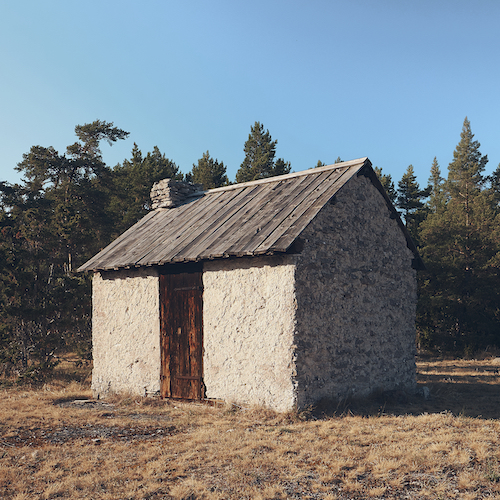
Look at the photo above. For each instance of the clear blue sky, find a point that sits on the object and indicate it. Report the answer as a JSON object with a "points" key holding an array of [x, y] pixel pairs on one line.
{"points": [[391, 80]]}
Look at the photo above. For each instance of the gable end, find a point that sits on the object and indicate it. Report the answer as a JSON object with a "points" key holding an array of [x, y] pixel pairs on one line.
{"points": [[367, 171]]}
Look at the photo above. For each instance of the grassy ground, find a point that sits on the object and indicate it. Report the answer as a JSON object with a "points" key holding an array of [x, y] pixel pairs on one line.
{"points": [[57, 443]]}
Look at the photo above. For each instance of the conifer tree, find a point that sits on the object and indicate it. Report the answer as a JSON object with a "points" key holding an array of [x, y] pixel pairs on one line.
{"points": [[409, 200], [465, 172], [76, 185], [387, 183], [281, 167], [209, 172], [132, 182], [260, 151], [495, 186], [461, 292], [437, 193], [51, 223]]}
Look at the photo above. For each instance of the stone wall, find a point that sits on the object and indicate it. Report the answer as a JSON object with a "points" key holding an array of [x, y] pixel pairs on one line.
{"points": [[249, 320], [169, 193], [126, 332], [356, 298]]}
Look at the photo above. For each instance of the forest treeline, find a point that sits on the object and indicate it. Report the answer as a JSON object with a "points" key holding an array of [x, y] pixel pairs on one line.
{"points": [[69, 206]]}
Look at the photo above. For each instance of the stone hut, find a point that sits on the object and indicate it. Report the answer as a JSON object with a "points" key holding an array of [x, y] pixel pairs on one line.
{"points": [[276, 292]]}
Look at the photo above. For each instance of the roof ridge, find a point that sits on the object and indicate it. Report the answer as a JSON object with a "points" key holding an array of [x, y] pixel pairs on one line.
{"points": [[277, 178]]}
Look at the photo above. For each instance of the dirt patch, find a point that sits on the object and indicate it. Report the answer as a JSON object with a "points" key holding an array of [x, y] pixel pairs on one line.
{"points": [[90, 404], [94, 433]]}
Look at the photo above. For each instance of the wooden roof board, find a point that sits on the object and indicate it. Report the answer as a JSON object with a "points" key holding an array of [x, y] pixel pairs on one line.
{"points": [[189, 226], [184, 222], [199, 230], [236, 242], [252, 218], [133, 247], [232, 238], [127, 254], [129, 248], [237, 218], [249, 241]]}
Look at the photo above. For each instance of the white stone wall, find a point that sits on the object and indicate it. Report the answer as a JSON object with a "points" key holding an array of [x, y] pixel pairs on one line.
{"points": [[249, 313], [356, 296], [126, 332]]}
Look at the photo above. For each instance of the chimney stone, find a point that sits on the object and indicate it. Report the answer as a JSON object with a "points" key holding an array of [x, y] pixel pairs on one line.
{"points": [[169, 193]]}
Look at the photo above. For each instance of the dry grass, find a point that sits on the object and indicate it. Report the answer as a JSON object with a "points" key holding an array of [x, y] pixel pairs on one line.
{"points": [[131, 448]]}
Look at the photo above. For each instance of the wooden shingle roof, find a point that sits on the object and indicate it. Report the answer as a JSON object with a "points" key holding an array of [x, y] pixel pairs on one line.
{"points": [[253, 218]]}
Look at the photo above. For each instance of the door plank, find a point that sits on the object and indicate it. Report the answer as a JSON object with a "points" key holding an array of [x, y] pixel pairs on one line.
{"points": [[182, 336]]}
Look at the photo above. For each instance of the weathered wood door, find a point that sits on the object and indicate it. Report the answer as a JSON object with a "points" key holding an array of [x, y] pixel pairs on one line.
{"points": [[181, 335]]}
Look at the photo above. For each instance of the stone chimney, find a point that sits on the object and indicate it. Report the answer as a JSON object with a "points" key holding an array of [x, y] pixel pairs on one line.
{"points": [[169, 193]]}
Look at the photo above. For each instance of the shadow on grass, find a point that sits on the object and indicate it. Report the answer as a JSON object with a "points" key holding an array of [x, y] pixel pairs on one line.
{"points": [[462, 395]]}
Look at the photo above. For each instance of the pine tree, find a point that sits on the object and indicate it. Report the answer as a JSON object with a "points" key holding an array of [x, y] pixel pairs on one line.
{"points": [[209, 172], [77, 186], [465, 182], [260, 151], [495, 186], [465, 172], [459, 301], [281, 167], [55, 220], [437, 194], [387, 183], [132, 182], [409, 200]]}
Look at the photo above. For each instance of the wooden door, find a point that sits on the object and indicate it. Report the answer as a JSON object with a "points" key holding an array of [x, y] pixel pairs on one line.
{"points": [[181, 335]]}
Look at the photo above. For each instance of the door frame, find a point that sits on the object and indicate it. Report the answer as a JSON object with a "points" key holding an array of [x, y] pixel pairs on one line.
{"points": [[169, 388]]}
